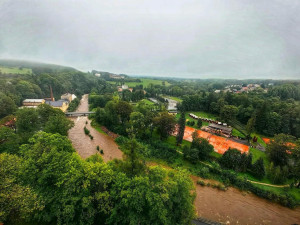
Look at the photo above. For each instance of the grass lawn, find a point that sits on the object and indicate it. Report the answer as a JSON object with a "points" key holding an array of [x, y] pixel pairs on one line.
{"points": [[97, 127], [15, 70], [292, 191], [145, 82], [237, 133], [201, 114], [172, 97], [147, 102], [256, 154]]}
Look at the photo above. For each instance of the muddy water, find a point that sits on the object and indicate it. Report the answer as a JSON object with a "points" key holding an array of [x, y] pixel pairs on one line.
{"points": [[236, 207], [83, 144], [231, 207]]}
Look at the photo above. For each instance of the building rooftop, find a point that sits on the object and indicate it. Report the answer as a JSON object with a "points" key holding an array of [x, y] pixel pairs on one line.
{"points": [[34, 100], [55, 103], [220, 127]]}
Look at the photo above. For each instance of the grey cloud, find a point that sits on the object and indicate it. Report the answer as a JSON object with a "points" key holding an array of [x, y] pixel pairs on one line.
{"points": [[201, 38]]}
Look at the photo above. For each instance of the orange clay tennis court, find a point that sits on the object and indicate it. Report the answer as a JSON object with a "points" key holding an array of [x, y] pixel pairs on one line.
{"points": [[221, 144]]}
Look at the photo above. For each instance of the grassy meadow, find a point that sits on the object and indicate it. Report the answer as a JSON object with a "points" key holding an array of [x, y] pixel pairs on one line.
{"points": [[15, 70]]}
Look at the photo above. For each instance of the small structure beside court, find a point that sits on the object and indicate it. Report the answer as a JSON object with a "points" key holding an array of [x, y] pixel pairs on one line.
{"points": [[220, 129]]}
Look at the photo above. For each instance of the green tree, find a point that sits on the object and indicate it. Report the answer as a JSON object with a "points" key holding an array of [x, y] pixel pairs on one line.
{"points": [[228, 112], [58, 124], [137, 122], [27, 122], [8, 106], [45, 111], [250, 126], [165, 124], [63, 181], [203, 147], [123, 109], [17, 202], [160, 197], [258, 168], [199, 123], [9, 141], [132, 164], [181, 128], [278, 148]]}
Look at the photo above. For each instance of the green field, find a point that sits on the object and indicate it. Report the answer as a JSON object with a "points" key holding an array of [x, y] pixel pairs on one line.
{"points": [[201, 114], [172, 97], [147, 102], [145, 82], [15, 70]]}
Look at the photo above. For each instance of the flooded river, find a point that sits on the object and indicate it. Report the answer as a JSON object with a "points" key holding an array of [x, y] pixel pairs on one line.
{"points": [[236, 207], [84, 145], [231, 207]]}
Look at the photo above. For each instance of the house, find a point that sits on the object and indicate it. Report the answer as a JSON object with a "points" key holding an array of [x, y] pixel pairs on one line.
{"points": [[124, 86], [69, 97], [32, 103], [98, 74], [60, 104], [219, 128]]}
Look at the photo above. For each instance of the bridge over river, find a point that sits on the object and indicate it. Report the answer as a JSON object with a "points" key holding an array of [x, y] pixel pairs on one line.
{"points": [[76, 114]]}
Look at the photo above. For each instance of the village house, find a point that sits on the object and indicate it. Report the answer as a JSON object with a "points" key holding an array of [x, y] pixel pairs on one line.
{"points": [[69, 97], [33, 103], [60, 104]]}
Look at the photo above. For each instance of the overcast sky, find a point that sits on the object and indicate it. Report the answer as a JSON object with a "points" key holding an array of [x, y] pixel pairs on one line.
{"points": [[179, 38]]}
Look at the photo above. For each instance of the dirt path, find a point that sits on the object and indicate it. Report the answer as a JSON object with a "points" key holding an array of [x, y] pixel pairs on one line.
{"points": [[271, 185], [84, 145]]}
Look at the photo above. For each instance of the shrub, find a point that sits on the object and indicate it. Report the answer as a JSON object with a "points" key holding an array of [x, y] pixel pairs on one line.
{"points": [[121, 140], [98, 148], [204, 172], [101, 152], [91, 137], [201, 182], [86, 131]]}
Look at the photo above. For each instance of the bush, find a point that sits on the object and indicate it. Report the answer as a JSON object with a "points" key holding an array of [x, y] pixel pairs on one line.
{"points": [[98, 148], [121, 140], [204, 172], [201, 182], [91, 137], [101, 152], [86, 131]]}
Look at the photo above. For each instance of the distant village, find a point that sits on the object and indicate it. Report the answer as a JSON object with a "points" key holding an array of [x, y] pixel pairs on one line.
{"points": [[239, 88]]}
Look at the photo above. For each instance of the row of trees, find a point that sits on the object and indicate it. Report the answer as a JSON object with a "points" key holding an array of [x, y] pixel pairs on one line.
{"points": [[29, 121], [269, 115], [120, 116]]}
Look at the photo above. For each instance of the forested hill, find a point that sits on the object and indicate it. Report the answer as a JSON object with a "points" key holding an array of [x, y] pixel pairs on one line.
{"points": [[34, 65], [20, 80]]}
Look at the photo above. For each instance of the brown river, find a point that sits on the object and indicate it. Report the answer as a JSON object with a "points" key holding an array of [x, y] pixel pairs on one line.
{"points": [[84, 145], [230, 207]]}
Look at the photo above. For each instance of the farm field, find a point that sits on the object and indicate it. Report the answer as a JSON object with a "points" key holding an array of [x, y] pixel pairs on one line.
{"points": [[15, 70], [145, 82]]}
